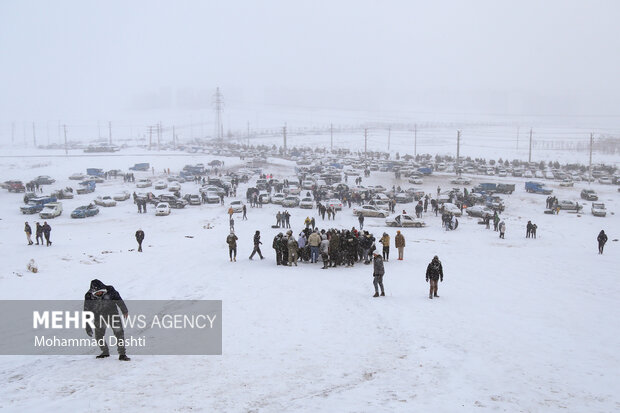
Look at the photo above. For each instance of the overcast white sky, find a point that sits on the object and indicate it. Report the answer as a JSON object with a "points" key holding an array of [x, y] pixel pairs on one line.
{"points": [[118, 59]]}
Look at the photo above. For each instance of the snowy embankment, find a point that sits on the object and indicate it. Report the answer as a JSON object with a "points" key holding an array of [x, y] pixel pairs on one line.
{"points": [[520, 325]]}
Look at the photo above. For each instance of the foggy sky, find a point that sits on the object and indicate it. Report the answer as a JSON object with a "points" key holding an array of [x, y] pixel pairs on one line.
{"points": [[119, 59]]}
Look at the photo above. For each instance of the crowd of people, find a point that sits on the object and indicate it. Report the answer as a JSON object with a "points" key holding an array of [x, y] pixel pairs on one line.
{"points": [[41, 231]]}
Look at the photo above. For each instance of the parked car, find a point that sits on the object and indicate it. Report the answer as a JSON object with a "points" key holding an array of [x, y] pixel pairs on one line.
{"points": [[461, 181], [567, 183], [172, 201], [405, 221], [36, 204], [598, 209], [335, 203], [193, 199], [479, 211], [451, 208], [94, 178], [85, 211], [162, 208], [307, 203], [589, 195], [66, 193], [212, 197], [237, 206], [43, 180], [121, 196], [277, 198], [160, 185], [77, 176], [15, 186], [174, 187], [144, 183], [292, 189], [416, 180], [370, 211], [403, 197], [212, 188], [86, 187], [605, 180], [105, 201], [51, 210], [569, 205], [290, 201], [264, 197]]}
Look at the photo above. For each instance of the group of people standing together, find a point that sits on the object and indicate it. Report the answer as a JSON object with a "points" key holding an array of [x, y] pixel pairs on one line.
{"points": [[44, 230]]}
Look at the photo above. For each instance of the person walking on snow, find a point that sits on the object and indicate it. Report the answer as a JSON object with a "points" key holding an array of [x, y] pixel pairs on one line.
{"points": [[245, 211], [39, 233], [361, 221], [47, 232], [434, 273], [231, 240], [139, 238], [257, 246], [602, 239], [502, 229], [377, 275], [28, 232]]}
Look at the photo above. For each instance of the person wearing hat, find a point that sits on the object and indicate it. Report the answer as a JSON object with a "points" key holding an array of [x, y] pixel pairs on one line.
{"points": [[377, 274], [385, 241], [28, 232], [399, 243], [139, 238], [434, 273], [231, 240]]}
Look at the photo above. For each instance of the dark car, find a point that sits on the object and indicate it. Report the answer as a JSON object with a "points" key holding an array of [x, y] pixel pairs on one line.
{"points": [[173, 201], [43, 180], [589, 195]]}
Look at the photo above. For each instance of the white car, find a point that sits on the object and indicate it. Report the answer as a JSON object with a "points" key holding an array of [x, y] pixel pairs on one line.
{"points": [[174, 186], [290, 201], [144, 183], [307, 184], [264, 197], [451, 208], [502, 173], [605, 180], [479, 211], [77, 176], [293, 189], [105, 201], [51, 210], [162, 209], [405, 221], [211, 197], [598, 209], [415, 180], [335, 203], [460, 181], [237, 206], [121, 196], [307, 203], [160, 185], [278, 198], [370, 211]]}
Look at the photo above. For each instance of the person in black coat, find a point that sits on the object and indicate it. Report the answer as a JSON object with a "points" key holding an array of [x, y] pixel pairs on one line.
{"points": [[139, 238], [377, 275], [47, 230], [104, 302], [602, 239], [39, 233], [434, 273], [257, 246]]}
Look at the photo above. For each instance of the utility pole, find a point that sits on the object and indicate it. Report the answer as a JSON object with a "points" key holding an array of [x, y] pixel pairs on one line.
{"points": [[389, 133], [458, 151], [590, 166], [365, 142], [110, 131], [218, 102], [34, 135], [529, 158], [284, 135], [415, 140], [150, 137], [66, 149], [331, 137]]}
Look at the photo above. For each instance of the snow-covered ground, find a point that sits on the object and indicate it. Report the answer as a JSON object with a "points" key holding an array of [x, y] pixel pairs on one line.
{"points": [[520, 325]]}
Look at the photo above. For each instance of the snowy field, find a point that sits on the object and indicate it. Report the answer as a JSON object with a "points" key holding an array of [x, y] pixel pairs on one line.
{"points": [[521, 325]]}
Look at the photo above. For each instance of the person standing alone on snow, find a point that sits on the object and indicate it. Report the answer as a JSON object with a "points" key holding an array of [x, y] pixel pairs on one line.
{"points": [[377, 275], [502, 229], [28, 232], [399, 242], [139, 238], [231, 240], [602, 239], [434, 273]]}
